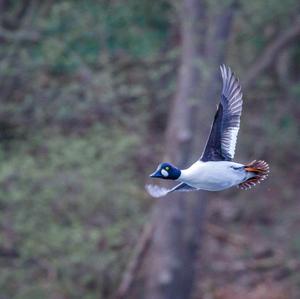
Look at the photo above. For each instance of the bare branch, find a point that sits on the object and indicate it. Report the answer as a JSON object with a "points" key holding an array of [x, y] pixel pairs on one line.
{"points": [[135, 262], [270, 53]]}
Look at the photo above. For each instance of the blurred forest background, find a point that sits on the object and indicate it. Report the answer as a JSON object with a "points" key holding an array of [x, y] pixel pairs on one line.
{"points": [[87, 90]]}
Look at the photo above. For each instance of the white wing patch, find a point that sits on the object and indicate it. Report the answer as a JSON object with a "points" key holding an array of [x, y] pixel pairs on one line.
{"points": [[232, 104], [157, 191], [229, 141]]}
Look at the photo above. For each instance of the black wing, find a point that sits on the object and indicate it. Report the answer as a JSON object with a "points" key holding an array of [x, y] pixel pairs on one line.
{"points": [[157, 191], [221, 142]]}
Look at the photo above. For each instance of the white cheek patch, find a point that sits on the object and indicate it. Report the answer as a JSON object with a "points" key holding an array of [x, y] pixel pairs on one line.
{"points": [[164, 173]]}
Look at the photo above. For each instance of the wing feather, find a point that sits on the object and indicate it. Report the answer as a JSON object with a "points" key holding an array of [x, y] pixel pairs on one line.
{"points": [[158, 191], [223, 135]]}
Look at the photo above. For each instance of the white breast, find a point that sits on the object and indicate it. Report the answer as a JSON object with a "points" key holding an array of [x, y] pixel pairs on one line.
{"points": [[212, 175]]}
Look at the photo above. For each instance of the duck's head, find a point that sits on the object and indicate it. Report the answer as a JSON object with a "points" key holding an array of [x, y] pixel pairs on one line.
{"points": [[166, 171]]}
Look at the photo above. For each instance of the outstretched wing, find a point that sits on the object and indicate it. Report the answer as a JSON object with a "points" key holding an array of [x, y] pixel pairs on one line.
{"points": [[221, 142], [157, 191]]}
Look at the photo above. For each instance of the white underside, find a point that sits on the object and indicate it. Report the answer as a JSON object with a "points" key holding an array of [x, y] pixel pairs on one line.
{"points": [[214, 175]]}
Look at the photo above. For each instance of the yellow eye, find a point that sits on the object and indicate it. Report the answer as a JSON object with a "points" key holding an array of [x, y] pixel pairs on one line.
{"points": [[167, 168]]}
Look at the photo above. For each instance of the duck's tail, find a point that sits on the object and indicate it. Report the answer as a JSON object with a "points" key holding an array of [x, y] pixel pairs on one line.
{"points": [[260, 171]]}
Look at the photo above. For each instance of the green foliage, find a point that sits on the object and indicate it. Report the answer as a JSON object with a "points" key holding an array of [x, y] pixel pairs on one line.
{"points": [[69, 206], [70, 74], [79, 32]]}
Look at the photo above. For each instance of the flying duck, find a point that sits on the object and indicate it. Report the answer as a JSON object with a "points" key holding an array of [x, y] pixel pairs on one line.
{"points": [[215, 170]]}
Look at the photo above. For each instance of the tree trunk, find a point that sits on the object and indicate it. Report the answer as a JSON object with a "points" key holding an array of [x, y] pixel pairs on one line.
{"points": [[176, 223], [169, 271]]}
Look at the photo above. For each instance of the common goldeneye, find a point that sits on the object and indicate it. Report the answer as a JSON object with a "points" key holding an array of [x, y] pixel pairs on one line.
{"points": [[215, 171]]}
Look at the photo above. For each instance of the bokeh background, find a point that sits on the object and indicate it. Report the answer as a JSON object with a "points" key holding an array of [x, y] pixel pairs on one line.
{"points": [[86, 90]]}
